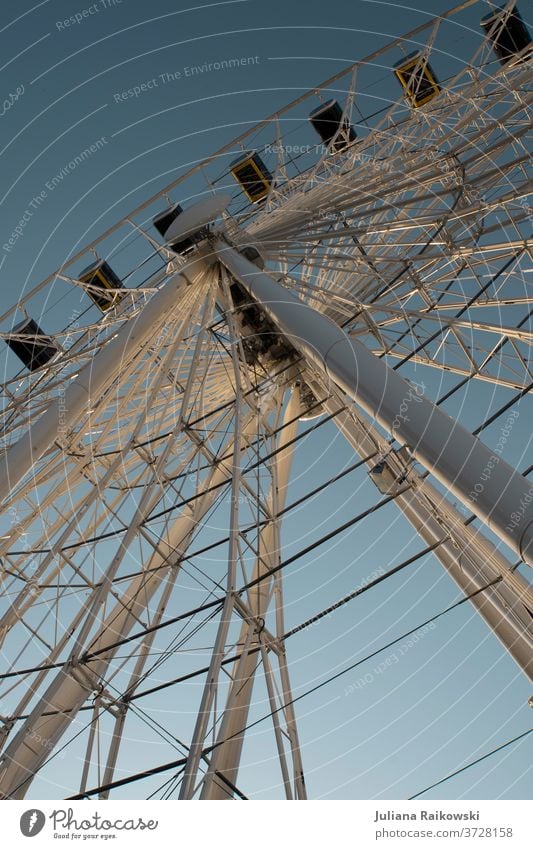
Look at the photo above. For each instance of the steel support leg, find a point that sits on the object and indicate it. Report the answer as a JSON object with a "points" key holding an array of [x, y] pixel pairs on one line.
{"points": [[467, 556], [226, 757], [38, 736]]}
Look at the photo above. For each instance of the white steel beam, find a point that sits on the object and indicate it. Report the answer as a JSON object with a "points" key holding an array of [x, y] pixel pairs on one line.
{"points": [[226, 756], [94, 378], [466, 554], [40, 733], [498, 494], [209, 693]]}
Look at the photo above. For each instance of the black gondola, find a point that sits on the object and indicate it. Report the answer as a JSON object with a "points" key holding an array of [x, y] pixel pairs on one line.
{"points": [[163, 221], [508, 34], [335, 132], [34, 352]]}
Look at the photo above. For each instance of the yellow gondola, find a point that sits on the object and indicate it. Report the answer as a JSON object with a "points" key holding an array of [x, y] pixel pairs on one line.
{"points": [[417, 78], [253, 176], [101, 276]]}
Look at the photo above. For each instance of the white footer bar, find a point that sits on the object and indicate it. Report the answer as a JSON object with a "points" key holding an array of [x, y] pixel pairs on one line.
{"points": [[267, 825]]}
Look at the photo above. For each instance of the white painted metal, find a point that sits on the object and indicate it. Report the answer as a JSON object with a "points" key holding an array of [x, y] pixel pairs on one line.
{"points": [[466, 554], [419, 231], [190, 777], [66, 694], [491, 488], [226, 756], [28, 594], [197, 216], [92, 380]]}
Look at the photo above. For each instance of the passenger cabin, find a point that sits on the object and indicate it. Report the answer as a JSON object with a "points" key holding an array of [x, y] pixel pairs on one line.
{"points": [[508, 33], [253, 176], [33, 351], [162, 223], [103, 278], [417, 79], [336, 133]]}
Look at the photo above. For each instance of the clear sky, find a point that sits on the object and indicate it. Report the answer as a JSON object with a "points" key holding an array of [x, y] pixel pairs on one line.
{"points": [[67, 69]]}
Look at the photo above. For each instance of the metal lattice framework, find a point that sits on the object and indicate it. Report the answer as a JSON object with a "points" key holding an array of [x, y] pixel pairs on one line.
{"points": [[166, 428]]}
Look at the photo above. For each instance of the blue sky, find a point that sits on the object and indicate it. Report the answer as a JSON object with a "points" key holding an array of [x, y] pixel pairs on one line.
{"points": [[454, 694]]}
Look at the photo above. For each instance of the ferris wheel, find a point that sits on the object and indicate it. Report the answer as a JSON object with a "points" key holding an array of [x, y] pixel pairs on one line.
{"points": [[321, 268]]}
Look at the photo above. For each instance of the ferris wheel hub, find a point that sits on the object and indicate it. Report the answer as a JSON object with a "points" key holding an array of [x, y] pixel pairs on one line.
{"points": [[196, 217]]}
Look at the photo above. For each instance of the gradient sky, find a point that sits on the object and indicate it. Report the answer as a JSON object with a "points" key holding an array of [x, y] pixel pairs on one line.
{"points": [[455, 694]]}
